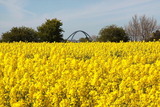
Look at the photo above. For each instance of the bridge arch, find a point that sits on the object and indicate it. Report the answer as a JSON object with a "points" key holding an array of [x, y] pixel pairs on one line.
{"points": [[74, 33]]}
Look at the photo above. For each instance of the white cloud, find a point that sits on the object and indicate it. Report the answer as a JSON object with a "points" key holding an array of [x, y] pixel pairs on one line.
{"points": [[98, 10], [16, 15], [16, 8]]}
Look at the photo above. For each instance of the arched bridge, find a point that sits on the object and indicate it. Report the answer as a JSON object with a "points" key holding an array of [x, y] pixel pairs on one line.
{"points": [[74, 33]]}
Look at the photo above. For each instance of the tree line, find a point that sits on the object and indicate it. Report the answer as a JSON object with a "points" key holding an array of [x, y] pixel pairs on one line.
{"points": [[140, 28], [50, 31]]}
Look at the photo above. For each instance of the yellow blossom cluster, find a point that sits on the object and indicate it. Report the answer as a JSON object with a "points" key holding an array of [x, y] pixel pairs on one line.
{"points": [[80, 74]]}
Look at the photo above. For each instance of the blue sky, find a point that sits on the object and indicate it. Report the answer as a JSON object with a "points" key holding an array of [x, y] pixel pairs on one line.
{"points": [[87, 15]]}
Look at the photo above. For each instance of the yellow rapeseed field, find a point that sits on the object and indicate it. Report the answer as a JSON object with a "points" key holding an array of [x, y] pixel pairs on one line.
{"points": [[80, 74]]}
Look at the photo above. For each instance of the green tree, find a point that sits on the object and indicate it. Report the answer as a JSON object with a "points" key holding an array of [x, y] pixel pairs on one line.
{"points": [[51, 31], [83, 39], [155, 37], [20, 34], [112, 33]]}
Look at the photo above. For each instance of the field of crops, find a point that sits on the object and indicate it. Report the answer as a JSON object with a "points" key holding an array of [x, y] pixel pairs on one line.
{"points": [[80, 74]]}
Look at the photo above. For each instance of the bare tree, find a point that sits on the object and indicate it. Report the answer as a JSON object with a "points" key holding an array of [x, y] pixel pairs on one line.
{"points": [[140, 28], [94, 37]]}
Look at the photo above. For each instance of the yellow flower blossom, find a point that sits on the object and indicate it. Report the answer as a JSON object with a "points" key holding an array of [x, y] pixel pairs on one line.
{"points": [[80, 74]]}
